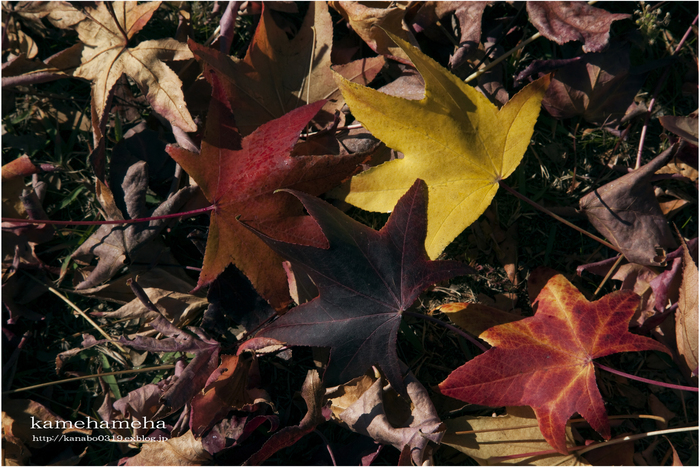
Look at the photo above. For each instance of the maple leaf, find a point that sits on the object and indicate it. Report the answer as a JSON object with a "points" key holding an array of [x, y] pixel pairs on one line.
{"points": [[238, 176], [546, 361], [366, 279], [453, 138], [105, 56], [279, 74]]}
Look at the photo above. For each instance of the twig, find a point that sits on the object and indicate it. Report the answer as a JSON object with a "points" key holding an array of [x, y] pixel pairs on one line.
{"points": [[560, 219], [79, 311], [478, 73], [100, 375], [448, 326], [192, 213], [610, 273], [643, 136], [645, 380]]}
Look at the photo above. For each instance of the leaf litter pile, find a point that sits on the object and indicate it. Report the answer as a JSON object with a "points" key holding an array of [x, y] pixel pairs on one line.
{"points": [[349, 233]]}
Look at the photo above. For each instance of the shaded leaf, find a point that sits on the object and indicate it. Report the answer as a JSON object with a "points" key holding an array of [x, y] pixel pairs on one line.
{"points": [[380, 414], [279, 74], [514, 433], [366, 280], [546, 361], [685, 127], [239, 177], [627, 213], [476, 318], [562, 22], [454, 139], [312, 391]]}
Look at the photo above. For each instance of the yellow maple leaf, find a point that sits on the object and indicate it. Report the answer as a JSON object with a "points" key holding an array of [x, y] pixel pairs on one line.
{"points": [[454, 139], [105, 55]]}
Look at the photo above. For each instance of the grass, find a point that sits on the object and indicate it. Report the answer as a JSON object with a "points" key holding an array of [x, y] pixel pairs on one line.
{"points": [[566, 160]]}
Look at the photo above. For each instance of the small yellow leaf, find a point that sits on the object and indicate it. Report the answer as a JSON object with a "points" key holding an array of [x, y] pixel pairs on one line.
{"points": [[454, 139]]}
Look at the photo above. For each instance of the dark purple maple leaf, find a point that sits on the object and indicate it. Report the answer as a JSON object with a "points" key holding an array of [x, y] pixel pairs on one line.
{"points": [[366, 280]]}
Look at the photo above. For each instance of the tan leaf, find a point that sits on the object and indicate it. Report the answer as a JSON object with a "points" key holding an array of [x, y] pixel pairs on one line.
{"points": [[505, 435], [106, 56], [687, 315], [183, 450]]}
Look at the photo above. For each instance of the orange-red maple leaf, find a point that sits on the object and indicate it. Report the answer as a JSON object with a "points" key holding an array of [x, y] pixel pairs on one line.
{"points": [[239, 177], [546, 361]]}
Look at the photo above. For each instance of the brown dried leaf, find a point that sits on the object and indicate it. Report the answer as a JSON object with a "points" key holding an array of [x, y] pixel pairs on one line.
{"points": [[685, 127], [562, 22], [627, 213], [687, 315]]}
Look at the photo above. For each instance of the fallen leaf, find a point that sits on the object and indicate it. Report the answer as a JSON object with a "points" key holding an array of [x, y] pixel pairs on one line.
{"points": [[239, 177], [195, 375], [454, 139], [119, 245], [366, 279], [183, 450], [379, 413], [13, 184], [627, 213], [476, 318], [279, 74], [685, 127], [546, 361], [511, 434], [562, 22], [601, 87], [105, 56], [687, 315], [233, 431], [371, 22], [227, 389], [312, 391]]}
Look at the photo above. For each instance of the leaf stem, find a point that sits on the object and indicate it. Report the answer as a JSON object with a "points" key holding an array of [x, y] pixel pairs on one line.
{"points": [[454, 329], [643, 136], [478, 73], [192, 213], [560, 219], [78, 378], [645, 380], [328, 445]]}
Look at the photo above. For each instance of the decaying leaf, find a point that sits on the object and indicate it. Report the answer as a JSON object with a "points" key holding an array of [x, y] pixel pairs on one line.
{"points": [[367, 406], [105, 55], [687, 315], [627, 213], [562, 22], [366, 280], [454, 139], [546, 361], [239, 177], [515, 433]]}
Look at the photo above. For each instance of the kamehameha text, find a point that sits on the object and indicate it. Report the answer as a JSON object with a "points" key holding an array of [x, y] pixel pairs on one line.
{"points": [[90, 424]]}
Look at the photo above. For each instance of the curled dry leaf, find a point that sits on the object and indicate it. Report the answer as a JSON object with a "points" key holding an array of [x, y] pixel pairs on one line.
{"points": [[546, 361], [627, 213], [515, 433], [105, 55], [562, 22], [453, 138], [183, 450], [371, 22], [687, 315], [367, 406]]}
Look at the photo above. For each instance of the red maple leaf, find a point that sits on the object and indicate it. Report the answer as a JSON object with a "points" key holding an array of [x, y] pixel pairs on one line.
{"points": [[239, 176], [546, 361]]}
